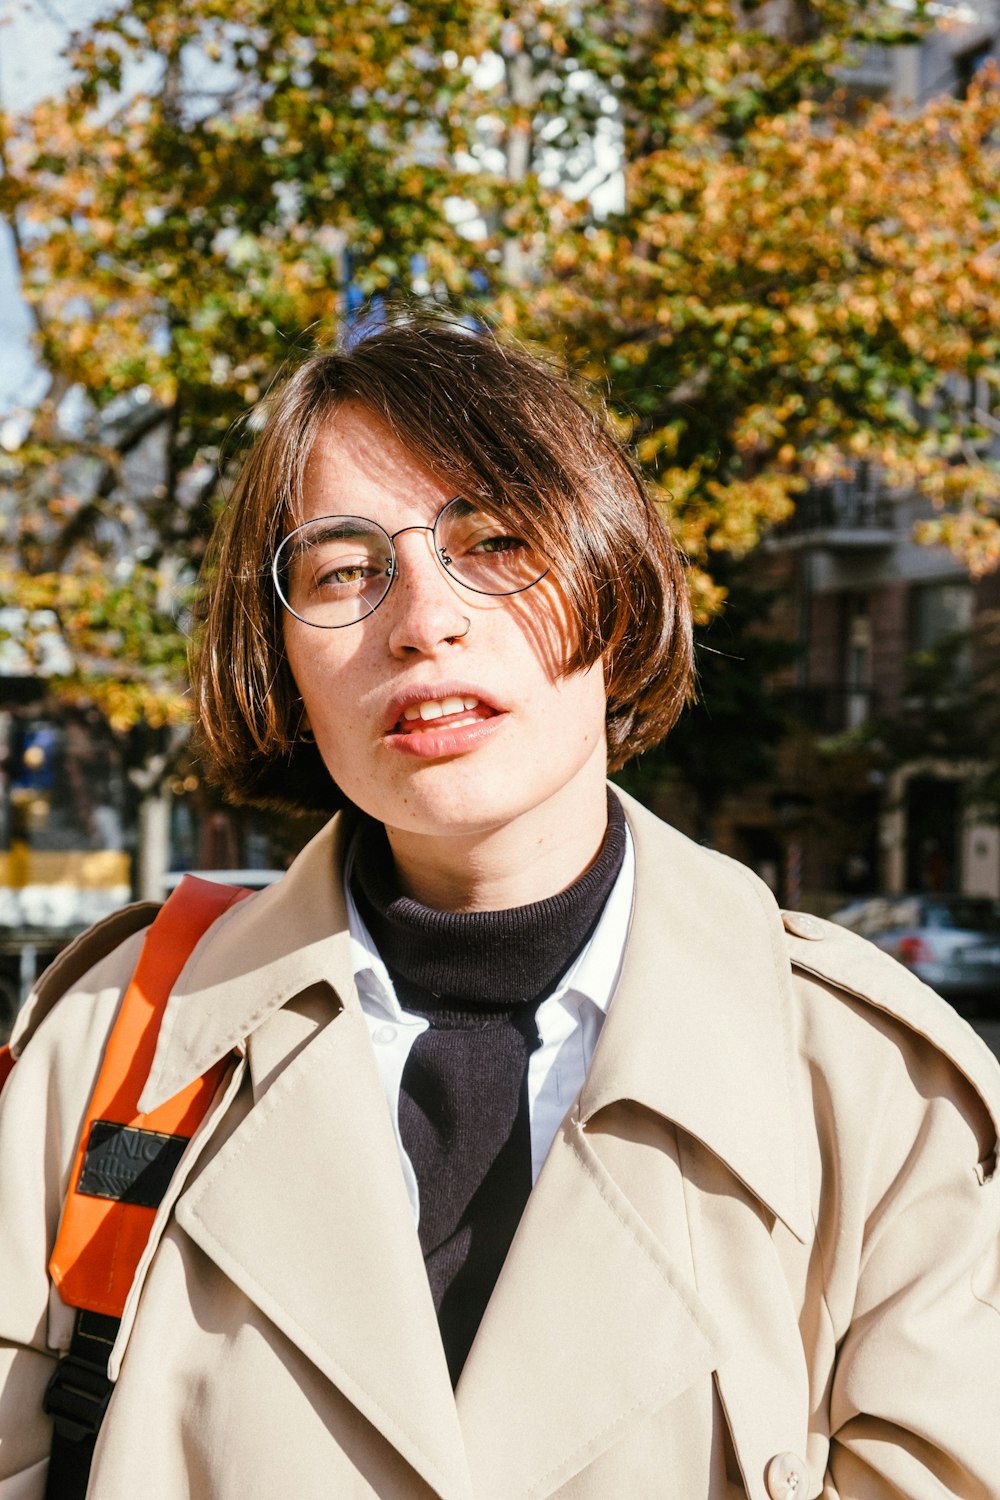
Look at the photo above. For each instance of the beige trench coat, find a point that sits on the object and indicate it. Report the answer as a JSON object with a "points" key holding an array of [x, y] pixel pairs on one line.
{"points": [[765, 1244]]}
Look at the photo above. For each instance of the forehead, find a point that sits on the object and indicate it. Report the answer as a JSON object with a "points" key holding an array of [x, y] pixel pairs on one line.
{"points": [[358, 466]]}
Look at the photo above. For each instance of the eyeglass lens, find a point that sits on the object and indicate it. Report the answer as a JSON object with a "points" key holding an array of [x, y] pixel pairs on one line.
{"points": [[337, 569]]}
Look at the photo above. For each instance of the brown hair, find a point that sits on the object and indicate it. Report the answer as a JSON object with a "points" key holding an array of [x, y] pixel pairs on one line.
{"points": [[505, 430]]}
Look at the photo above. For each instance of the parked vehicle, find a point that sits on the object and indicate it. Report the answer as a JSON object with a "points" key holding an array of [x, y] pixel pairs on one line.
{"points": [[951, 942]]}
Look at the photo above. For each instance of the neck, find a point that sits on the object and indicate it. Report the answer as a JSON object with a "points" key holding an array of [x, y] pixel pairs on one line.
{"points": [[527, 859], [464, 963]]}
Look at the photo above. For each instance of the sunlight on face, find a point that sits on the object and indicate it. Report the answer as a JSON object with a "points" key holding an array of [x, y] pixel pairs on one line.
{"points": [[534, 737]]}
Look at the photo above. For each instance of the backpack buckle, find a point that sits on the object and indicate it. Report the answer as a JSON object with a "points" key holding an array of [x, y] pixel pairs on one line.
{"points": [[77, 1397]]}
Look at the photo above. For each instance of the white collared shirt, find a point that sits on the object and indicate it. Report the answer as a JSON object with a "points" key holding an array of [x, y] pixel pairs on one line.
{"points": [[569, 1021]]}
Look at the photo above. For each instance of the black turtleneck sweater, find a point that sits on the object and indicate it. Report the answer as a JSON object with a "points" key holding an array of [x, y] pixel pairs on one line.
{"points": [[478, 978]]}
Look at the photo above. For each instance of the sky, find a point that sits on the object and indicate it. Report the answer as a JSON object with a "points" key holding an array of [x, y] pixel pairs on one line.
{"points": [[32, 33]]}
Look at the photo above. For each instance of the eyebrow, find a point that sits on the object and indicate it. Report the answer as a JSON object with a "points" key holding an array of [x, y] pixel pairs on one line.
{"points": [[353, 528], [341, 529]]}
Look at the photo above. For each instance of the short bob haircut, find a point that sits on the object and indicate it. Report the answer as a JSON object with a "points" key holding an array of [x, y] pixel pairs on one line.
{"points": [[501, 428]]}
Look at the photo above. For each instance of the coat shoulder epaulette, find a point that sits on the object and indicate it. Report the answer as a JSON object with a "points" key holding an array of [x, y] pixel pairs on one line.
{"points": [[850, 963], [76, 960]]}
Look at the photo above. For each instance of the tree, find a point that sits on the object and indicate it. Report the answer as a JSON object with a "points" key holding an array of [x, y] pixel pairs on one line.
{"points": [[729, 739], [780, 288], [787, 291]]}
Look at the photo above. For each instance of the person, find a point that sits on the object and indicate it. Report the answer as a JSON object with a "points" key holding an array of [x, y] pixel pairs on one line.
{"points": [[548, 1159]]}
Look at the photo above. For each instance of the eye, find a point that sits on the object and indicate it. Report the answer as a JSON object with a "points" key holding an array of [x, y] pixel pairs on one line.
{"points": [[480, 552], [500, 543], [329, 570], [344, 575], [471, 533]]}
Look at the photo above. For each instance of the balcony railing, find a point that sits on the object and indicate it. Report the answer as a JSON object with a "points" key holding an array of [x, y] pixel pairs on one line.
{"points": [[869, 70], [842, 513]]}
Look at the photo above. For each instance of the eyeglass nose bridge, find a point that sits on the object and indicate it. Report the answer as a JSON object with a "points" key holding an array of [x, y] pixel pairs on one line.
{"points": [[439, 553], [404, 529]]}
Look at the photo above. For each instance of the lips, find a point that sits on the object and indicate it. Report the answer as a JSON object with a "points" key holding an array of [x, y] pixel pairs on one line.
{"points": [[439, 708], [443, 715], [451, 706]]}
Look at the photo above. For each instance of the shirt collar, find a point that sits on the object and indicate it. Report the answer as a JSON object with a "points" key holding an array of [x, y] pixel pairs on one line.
{"points": [[592, 975], [371, 976]]}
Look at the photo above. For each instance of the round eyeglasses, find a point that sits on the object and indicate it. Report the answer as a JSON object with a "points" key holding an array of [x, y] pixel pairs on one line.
{"points": [[337, 570]]}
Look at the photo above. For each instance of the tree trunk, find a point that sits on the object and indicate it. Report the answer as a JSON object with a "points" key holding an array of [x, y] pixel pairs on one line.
{"points": [[154, 845]]}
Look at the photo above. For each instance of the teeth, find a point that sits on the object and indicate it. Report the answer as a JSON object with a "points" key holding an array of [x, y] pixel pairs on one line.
{"points": [[437, 708]]}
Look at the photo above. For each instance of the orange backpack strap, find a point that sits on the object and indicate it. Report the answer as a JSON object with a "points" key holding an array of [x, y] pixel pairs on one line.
{"points": [[124, 1159], [123, 1166]]}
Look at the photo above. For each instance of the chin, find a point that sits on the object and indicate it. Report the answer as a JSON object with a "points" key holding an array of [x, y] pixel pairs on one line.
{"points": [[433, 817]]}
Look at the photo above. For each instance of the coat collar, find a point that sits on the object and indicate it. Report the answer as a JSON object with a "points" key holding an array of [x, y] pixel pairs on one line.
{"points": [[612, 1280], [699, 1032], [255, 958]]}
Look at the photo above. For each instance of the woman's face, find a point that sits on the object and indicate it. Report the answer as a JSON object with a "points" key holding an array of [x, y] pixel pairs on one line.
{"points": [[434, 727]]}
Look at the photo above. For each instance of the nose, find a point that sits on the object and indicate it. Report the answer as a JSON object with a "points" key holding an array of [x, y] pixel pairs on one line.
{"points": [[426, 610]]}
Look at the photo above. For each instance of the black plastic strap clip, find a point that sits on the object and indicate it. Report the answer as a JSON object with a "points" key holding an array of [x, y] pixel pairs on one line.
{"points": [[77, 1397]]}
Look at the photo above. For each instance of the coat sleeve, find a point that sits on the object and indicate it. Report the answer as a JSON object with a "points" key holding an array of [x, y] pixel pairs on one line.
{"points": [[30, 1178], [41, 1113], [913, 1400], [910, 1241]]}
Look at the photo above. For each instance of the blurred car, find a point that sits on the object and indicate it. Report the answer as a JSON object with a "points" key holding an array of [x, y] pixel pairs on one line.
{"points": [[951, 942]]}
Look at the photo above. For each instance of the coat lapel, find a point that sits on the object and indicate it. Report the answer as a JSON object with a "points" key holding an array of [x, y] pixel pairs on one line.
{"points": [[700, 1029], [304, 1207], [594, 1323], [599, 1308]]}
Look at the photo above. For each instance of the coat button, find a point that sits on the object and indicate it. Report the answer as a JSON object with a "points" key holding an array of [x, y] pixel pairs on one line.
{"points": [[801, 925], [786, 1477]]}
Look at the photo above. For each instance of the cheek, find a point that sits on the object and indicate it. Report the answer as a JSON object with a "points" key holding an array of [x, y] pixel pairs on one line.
{"points": [[587, 702], [325, 670]]}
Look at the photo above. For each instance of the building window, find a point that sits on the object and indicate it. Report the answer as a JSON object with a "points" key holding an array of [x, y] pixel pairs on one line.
{"points": [[968, 64], [857, 659], [942, 613]]}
